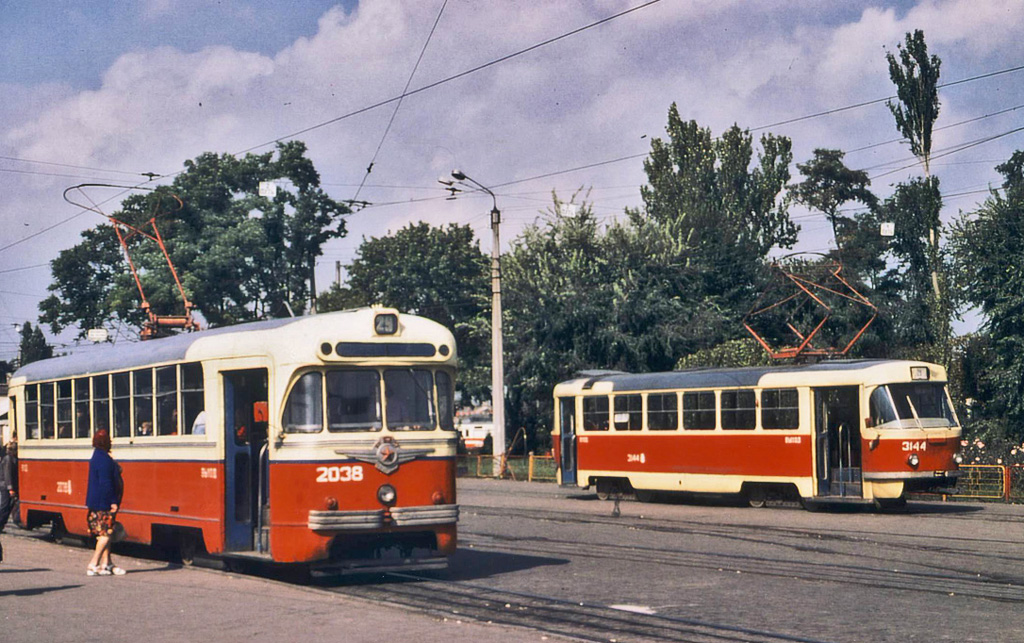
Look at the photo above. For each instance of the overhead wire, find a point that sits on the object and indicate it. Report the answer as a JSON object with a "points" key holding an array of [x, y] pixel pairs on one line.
{"points": [[457, 76], [398, 104]]}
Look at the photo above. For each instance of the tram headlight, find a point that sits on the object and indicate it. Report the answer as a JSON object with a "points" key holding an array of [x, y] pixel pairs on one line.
{"points": [[387, 495], [958, 458], [913, 460]]}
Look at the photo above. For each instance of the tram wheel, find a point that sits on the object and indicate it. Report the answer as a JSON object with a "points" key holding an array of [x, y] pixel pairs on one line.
{"points": [[644, 495], [756, 497], [187, 547], [57, 531], [606, 489], [890, 504]]}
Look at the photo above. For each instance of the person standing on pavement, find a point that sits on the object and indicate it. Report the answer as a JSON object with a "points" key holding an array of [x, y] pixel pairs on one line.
{"points": [[8, 481], [103, 498]]}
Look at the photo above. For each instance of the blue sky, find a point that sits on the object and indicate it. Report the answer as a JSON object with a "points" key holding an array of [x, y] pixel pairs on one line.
{"points": [[104, 91]]}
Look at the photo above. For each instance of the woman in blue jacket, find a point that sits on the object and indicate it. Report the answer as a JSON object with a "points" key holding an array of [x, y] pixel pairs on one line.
{"points": [[102, 499]]}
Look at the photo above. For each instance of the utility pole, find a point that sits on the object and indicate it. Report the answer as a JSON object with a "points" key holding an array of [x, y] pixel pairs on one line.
{"points": [[497, 351]]}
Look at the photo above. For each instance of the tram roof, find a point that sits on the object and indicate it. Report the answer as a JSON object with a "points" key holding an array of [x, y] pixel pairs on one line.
{"points": [[719, 377], [175, 348], [135, 354]]}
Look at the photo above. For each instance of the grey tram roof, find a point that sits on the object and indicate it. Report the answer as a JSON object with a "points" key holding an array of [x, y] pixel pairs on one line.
{"points": [[714, 377], [135, 354]]}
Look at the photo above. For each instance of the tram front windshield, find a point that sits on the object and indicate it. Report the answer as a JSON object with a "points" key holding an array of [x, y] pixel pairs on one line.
{"points": [[401, 399], [924, 404]]}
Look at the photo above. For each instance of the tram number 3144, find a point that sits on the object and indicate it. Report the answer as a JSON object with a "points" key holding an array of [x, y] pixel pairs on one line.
{"points": [[345, 473], [909, 445]]}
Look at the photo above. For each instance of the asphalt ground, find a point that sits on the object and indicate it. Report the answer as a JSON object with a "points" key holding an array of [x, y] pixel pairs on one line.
{"points": [[46, 596]]}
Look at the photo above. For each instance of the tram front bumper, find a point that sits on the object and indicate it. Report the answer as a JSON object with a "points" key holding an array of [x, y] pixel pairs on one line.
{"points": [[341, 520]]}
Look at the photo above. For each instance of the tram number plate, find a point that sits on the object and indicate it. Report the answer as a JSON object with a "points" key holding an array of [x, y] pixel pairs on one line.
{"points": [[209, 473], [910, 445], [636, 457], [345, 473]]}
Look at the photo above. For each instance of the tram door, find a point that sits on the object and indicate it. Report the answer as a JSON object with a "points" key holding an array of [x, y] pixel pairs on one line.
{"points": [[245, 464], [567, 422], [837, 441]]}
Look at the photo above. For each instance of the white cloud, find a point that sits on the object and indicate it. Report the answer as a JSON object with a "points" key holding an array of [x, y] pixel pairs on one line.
{"points": [[583, 100]]}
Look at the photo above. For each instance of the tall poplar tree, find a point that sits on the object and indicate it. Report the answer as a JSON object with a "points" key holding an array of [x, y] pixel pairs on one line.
{"points": [[916, 76]]}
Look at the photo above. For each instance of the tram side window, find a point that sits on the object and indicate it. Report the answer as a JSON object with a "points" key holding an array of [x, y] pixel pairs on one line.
{"points": [[32, 411], [629, 415], [410, 400], [64, 409], [780, 408], [167, 400], [46, 409], [699, 410], [304, 413], [122, 404], [738, 410], [595, 413], [663, 412], [445, 401], [101, 402], [83, 419], [353, 401], [192, 399], [142, 396]]}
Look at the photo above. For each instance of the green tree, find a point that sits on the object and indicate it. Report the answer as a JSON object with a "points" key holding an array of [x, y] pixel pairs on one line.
{"points": [[557, 296], [829, 185], [919, 318], [437, 272], [241, 256], [33, 345], [988, 250], [916, 75], [724, 204]]}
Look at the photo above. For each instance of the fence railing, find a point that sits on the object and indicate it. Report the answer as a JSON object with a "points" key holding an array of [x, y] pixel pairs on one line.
{"points": [[977, 481], [533, 468], [984, 482]]}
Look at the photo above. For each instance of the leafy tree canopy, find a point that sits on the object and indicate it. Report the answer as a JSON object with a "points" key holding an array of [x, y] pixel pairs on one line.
{"points": [[437, 272], [916, 76], [33, 346], [241, 256], [988, 249]]}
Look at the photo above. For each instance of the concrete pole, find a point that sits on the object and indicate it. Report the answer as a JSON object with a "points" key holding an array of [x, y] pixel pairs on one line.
{"points": [[497, 355]]}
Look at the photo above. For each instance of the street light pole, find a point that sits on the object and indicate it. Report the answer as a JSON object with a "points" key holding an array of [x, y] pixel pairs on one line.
{"points": [[497, 353]]}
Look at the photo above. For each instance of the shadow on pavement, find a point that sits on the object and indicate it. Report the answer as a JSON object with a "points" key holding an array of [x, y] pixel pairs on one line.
{"points": [[36, 591], [475, 564]]}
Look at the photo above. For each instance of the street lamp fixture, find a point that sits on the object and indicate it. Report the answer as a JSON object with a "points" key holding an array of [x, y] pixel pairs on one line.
{"points": [[497, 358]]}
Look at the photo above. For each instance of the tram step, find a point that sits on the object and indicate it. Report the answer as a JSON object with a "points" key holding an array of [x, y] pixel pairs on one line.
{"points": [[845, 489]]}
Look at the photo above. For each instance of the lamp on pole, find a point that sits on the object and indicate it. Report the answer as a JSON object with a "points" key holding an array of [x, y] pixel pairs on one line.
{"points": [[497, 358]]}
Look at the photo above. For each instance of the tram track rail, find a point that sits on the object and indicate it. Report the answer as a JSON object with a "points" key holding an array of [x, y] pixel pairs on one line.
{"points": [[876, 572], [552, 615], [765, 534]]}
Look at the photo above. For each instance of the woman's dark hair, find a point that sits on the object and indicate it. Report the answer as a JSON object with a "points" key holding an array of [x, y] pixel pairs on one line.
{"points": [[101, 440]]}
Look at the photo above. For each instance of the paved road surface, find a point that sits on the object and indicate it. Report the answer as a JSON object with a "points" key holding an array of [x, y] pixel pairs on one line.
{"points": [[560, 562]]}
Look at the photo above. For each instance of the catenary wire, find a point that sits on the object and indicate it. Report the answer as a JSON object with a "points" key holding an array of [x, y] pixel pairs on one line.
{"points": [[457, 76], [398, 104]]}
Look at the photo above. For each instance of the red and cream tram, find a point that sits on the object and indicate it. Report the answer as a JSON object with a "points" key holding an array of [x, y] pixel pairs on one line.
{"points": [[326, 440], [857, 431]]}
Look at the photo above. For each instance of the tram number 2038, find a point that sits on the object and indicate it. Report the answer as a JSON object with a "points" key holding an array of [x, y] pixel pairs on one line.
{"points": [[345, 473]]}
